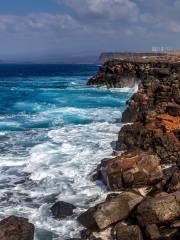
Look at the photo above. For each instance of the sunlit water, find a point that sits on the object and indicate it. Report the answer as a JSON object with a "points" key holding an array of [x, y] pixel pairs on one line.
{"points": [[53, 132]]}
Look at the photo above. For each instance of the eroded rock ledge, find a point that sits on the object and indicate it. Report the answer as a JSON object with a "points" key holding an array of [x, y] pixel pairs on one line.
{"points": [[124, 73], [147, 162]]}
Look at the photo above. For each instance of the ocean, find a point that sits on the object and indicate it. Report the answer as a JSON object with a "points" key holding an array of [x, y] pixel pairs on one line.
{"points": [[54, 130]]}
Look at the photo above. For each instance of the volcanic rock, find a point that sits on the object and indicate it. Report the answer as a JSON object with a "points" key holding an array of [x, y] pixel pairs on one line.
{"points": [[124, 73], [136, 169], [16, 228], [88, 235], [173, 183], [173, 110], [176, 132], [151, 152], [62, 210], [156, 136], [126, 232], [159, 210], [109, 212], [153, 232]]}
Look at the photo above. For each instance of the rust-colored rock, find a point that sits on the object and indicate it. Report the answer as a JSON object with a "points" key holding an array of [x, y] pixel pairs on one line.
{"points": [[158, 136], [137, 169]]}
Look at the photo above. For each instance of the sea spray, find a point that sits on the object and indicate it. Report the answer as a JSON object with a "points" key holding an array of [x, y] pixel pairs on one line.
{"points": [[53, 132]]}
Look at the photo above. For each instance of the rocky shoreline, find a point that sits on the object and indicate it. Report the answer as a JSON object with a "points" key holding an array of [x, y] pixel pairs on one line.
{"points": [[147, 161], [143, 177]]}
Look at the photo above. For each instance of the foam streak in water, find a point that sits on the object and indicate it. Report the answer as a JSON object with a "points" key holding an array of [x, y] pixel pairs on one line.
{"points": [[53, 132]]}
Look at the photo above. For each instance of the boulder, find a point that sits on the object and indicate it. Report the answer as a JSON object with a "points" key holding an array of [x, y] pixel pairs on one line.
{"points": [[153, 232], [110, 212], [16, 228], [62, 210], [162, 209], [126, 232], [137, 169]]}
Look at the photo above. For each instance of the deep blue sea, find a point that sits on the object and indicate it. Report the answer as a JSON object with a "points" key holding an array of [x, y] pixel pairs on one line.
{"points": [[54, 130]]}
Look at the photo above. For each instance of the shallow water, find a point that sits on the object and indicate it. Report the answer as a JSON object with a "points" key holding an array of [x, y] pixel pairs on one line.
{"points": [[53, 132]]}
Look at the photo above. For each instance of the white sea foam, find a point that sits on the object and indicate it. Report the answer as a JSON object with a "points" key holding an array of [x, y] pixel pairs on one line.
{"points": [[62, 166], [58, 163], [126, 89]]}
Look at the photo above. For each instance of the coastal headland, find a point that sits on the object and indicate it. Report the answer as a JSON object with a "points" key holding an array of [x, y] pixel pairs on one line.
{"points": [[146, 164]]}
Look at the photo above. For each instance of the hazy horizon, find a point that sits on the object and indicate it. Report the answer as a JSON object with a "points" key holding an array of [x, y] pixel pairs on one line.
{"points": [[71, 28]]}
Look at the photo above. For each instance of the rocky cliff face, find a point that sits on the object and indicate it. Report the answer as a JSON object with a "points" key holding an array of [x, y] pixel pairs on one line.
{"points": [[148, 154], [124, 73], [154, 109]]}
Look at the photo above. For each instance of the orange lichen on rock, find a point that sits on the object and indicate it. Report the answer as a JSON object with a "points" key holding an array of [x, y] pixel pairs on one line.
{"points": [[152, 125], [169, 121]]}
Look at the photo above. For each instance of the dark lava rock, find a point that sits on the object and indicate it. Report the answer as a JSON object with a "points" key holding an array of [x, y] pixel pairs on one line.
{"points": [[125, 232], [163, 209], [173, 183], [85, 234], [129, 115], [169, 233], [173, 110], [88, 235], [109, 212], [111, 196], [124, 73], [153, 232], [149, 144], [153, 137], [176, 132], [61, 210], [16, 228]]}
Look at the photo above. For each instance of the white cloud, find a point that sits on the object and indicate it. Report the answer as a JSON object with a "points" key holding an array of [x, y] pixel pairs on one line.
{"points": [[94, 25], [105, 9], [40, 22]]}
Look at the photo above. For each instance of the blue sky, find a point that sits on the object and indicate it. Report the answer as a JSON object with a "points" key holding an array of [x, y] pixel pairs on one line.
{"points": [[58, 28], [21, 7]]}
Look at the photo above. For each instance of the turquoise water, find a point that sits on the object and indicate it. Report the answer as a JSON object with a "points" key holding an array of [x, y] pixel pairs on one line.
{"points": [[53, 132]]}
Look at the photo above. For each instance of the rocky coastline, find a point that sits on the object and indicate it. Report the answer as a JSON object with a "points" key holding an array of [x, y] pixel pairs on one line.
{"points": [[144, 173], [143, 177]]}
